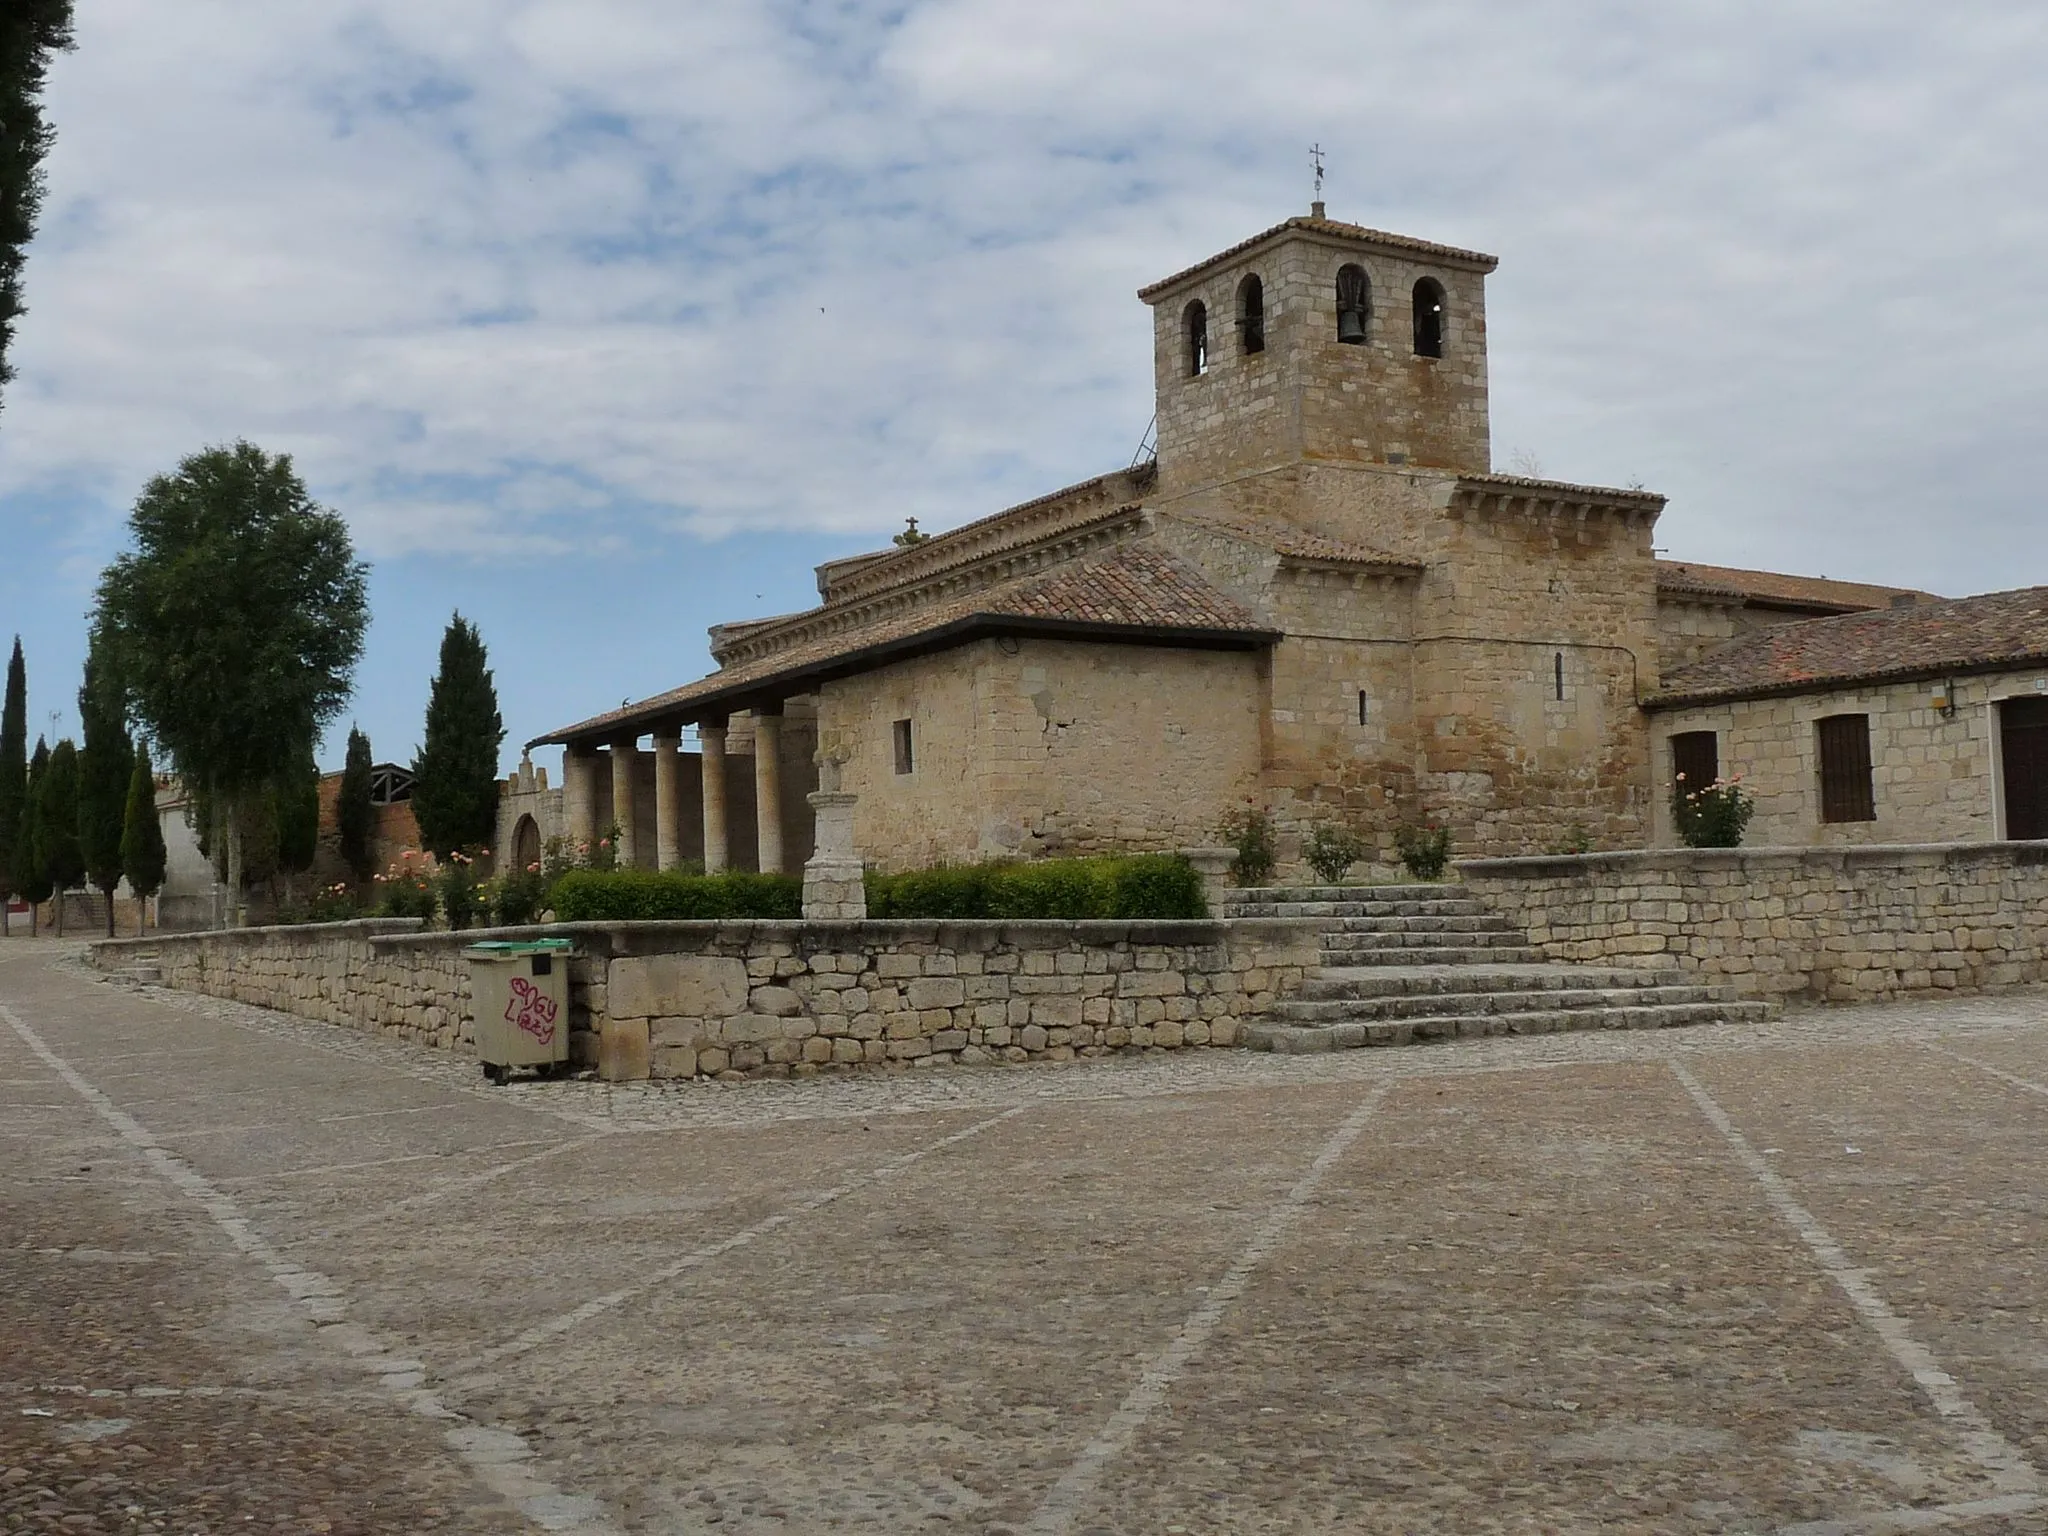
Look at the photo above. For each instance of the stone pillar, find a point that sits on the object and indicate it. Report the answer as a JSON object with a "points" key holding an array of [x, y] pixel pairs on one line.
{"points": [[711, 737], [768, 788], [668, 812], [625, 758], [579, 793], [834, 888]]}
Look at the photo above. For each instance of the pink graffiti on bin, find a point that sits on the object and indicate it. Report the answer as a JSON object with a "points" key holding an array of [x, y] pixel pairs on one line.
{"points": [[532, 1010]]}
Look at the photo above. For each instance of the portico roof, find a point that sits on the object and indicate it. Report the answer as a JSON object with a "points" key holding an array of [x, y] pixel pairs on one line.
{"points": [[1133, 594]]}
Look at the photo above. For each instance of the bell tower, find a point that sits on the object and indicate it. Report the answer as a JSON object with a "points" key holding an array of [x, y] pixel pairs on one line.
{"points": [[1320, 341]]}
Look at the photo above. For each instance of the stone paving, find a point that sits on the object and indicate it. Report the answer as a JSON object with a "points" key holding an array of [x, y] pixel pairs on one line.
{"points": [[258, 1274]]}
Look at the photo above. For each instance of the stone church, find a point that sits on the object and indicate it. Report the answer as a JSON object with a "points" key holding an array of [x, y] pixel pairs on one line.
{"points": [[1318, 599]]}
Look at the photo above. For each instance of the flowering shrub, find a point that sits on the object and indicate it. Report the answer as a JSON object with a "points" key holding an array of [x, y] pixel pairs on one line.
{"points": [[518, 896], [406, 889], [1712, 816], [1331, 848], [455, 887], [1425, 850]]}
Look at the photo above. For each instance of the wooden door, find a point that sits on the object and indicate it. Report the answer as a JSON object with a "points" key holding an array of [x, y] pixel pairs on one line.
{"points": [[2023, 739]]}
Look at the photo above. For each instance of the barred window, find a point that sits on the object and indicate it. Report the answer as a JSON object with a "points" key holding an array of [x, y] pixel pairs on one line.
{"points": [[1845, 792]]}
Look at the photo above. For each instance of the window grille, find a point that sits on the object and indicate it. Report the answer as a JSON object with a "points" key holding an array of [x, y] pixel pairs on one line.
{"points": [[1845, 791]]}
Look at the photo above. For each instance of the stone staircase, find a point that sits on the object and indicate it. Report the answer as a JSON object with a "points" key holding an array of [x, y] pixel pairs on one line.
{"points": [[1409, 963], [144, 969]]}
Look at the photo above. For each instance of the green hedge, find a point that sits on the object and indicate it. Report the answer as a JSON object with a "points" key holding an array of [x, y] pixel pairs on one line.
{"points": [[630, 895], [1152, 885]]}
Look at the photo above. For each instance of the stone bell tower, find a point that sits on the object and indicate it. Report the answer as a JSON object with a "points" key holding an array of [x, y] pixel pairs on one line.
{"points": [[1324, 342]]}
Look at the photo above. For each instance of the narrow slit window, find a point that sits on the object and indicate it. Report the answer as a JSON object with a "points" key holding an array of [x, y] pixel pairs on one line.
{"points": [[1196, 326], [1845, 788], [1557, 674], [1429, 318], [1361, 706], [1251, 314], [905, 759], [1354, 304]]}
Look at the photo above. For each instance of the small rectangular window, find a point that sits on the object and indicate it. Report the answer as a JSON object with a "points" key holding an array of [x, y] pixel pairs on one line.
{"points": [[1361, 706], [1845, 792], [1695, 760], [904, 760]]}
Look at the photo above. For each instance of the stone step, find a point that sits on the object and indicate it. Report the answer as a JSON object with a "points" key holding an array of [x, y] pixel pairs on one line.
{"points": [[1414, 956], [1271, 1035], [1414, 891], [1459, 1004], [1339, 982], [1396, 937], [1449, 906]]}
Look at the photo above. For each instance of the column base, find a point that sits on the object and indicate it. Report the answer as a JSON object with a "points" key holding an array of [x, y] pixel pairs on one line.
{"points": [[835, 891]]}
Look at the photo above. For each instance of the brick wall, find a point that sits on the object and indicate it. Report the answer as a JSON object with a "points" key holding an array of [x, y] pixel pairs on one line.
{"points": [[1843, 925]]}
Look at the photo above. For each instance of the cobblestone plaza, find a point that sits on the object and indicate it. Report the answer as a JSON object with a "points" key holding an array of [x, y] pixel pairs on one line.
{"points": [[263, 1274]]}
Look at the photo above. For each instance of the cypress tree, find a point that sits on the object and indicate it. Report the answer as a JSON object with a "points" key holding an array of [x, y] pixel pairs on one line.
{"points": [[143, 856], [354, 817], [31, 875], [57, 842], [455, 775], [30, 31], [104, 768], [298, 820], [13, 772]]}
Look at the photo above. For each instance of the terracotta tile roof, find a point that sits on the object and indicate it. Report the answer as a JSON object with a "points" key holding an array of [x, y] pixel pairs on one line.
{"points": [[1284, 538], [1134, 592], [1770, 588], [1448, 253], [1963, 634]]}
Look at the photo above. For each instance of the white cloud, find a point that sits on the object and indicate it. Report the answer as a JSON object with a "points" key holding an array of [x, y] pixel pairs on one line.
{"points": [[526, 277]]}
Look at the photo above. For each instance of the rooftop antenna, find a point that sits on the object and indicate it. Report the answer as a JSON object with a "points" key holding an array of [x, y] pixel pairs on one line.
{"points": [[1315, 154]]}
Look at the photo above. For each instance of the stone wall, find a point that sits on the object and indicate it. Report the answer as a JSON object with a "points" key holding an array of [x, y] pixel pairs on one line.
{"points": [[1934, 772], [1023, 747], [1841, 925], [776, 998]]}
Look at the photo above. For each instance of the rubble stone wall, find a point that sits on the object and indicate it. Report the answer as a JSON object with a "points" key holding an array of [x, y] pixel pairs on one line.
{"points": [[781, 998], [1840, 924]]}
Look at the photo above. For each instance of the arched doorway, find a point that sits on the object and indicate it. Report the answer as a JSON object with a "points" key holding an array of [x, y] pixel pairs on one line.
{"points": [[525, 844]]}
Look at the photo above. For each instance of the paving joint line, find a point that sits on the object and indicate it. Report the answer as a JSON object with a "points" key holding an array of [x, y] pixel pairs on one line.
{"points": [[1062, 1504], [2007, 1466], [497, 1457], [463, 1372], [1984, 1066]]}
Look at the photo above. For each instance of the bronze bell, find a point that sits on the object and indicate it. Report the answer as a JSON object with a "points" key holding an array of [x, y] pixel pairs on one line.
{"points": [[1351, 327]]}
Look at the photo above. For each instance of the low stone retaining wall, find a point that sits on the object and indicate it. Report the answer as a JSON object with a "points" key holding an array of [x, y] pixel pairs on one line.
{"points": [[771, 998], [1834, 924]]}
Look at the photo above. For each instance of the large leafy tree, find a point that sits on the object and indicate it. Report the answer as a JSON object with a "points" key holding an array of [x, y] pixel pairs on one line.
{"points": [[104, 768], [455, 774], [56, 822], [30, 876], [30, 32], [13, 771], [144, 859], [234, 624], [354, 817]]}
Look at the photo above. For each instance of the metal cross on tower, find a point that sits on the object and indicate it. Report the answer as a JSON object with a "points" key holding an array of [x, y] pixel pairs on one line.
{"points": [[1315, 153]]}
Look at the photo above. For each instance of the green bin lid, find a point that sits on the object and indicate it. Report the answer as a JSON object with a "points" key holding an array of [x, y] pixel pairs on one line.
{"points": [[518, 946]]}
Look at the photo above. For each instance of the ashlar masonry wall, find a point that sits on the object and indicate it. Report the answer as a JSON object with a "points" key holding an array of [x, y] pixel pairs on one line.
{"points": [[776, 998], [1935, 772], [1840, 925]]}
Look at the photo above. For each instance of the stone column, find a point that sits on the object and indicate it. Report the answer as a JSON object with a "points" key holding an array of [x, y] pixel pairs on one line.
{"points": [[579, 793], [711, 737], [834, 888], [667, 799], [768, 788], [625, 758]]}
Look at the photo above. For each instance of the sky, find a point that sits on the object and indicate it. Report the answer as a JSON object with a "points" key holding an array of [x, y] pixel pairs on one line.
{"points": [[601, 321]]}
